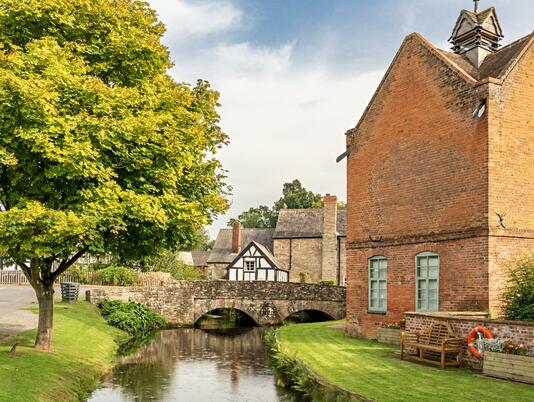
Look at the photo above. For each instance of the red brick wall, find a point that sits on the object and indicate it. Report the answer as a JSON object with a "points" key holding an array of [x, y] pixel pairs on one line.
{"points": [[519, 332], [417, 181], [511, 171], [419, 159], [463, 281]]}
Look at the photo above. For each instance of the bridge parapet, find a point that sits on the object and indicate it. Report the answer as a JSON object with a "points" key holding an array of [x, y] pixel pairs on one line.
{"points": [[184, 302]]}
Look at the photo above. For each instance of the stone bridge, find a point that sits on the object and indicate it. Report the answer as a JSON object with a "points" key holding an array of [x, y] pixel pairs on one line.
{"points": [[182, 303]]}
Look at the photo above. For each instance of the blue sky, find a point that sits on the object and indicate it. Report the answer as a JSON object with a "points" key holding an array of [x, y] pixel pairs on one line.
{"points": [[294, 75]]}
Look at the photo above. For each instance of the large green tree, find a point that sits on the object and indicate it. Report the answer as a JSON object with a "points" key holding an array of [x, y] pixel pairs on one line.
{"points": [[294, 195], [100, 150]]}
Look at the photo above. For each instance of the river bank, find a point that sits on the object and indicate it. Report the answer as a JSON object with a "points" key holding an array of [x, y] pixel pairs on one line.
{"points": [[365, 369], [84, 347]]}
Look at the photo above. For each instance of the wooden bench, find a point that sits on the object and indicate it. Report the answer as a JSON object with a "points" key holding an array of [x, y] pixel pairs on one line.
{"points": [[438, 339]]}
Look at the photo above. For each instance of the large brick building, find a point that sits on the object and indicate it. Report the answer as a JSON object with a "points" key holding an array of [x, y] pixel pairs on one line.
{"points": [[309, 242], [440, 177]]}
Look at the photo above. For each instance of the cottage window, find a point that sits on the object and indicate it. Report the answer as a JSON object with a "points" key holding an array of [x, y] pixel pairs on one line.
{"points": [[427, 282], [378, 267], [250, 265]]}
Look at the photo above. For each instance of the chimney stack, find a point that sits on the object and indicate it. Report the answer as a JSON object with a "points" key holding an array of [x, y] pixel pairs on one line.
{"points": [[236, 237], [329, 254]]}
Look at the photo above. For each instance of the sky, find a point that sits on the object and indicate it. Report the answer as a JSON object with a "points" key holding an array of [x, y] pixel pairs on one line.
{"points": [[295, 75]]}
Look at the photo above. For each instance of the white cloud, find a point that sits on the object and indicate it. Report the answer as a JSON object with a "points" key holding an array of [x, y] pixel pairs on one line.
{"points": [[187, 19], [285, 120]]}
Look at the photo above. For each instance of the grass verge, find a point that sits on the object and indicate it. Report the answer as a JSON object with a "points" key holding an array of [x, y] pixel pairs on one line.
{"points": [[84, 346], [374, 370]]}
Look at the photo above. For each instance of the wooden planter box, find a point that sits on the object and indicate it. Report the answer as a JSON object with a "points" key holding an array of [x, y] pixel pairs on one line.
{"points": [[389, 335], [509, 367]]}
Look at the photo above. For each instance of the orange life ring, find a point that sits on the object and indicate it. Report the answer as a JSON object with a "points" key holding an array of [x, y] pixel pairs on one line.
{"points": [[477, 333]]}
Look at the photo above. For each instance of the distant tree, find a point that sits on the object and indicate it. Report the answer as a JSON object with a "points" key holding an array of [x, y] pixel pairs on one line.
{"points": [[201, 241], [260, 217], [294, 195], [100, 150]]}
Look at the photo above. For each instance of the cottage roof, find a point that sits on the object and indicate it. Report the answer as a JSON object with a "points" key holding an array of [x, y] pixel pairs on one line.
{"points": [[222, 249], [306, 223], [200, 258]]}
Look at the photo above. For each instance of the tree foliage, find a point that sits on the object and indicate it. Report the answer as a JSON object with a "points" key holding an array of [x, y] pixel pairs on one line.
{"points": [[100, 150], [519, 297], [294, 195]]}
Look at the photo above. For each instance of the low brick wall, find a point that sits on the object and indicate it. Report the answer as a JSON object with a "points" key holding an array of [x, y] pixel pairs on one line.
{"points": [[462, 323]]}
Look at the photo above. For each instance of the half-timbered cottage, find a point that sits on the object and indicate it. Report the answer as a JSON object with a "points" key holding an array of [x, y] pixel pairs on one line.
{"points": [[256, 263], [307, 243]]}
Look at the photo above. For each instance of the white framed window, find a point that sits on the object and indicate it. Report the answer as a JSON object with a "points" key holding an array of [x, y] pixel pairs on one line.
{"points": [[378, 283], [249, 265], [427, 282]]}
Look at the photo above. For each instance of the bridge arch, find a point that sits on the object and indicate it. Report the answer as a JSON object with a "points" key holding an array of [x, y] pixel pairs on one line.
{"points": [[203, 307], [309, 315], [247, 316]]}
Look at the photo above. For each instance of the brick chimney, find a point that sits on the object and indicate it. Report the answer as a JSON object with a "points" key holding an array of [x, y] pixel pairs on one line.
{"points": [[329, 260], [236, 237]]}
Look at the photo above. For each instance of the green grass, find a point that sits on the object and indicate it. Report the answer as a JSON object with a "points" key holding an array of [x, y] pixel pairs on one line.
{"points": [[84, 346], [375, 371]]}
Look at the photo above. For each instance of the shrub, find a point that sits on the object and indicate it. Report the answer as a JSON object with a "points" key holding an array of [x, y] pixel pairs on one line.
{"points": [[329, 283], [518, 300], [117, 276], [133, 318], [79, 274], [171, 263]]}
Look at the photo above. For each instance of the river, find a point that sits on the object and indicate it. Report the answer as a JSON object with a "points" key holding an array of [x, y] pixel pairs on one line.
{"points": [[191, 364]]}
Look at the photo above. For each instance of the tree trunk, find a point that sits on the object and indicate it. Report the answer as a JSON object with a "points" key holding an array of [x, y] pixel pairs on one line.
{"points": [[45, 296]]}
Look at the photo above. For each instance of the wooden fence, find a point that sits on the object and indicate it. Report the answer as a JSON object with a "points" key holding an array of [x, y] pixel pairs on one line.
{"points": [[87, 278]]}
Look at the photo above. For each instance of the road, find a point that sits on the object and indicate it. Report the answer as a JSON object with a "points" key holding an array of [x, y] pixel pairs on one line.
{"points": [[14, 302]]}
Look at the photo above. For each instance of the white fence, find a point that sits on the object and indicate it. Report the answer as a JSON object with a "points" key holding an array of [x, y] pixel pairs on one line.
{"points": [[90, 278]]}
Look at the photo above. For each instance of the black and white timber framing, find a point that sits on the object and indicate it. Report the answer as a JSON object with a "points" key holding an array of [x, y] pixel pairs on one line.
{"points": [[256, 263]]}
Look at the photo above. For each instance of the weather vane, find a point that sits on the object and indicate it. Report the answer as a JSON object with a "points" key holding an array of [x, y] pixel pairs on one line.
{"points": [[476, 6]]}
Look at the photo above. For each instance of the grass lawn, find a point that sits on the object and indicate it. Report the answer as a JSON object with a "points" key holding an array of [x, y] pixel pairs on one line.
{"points": [[84, 346], [375, 371]]}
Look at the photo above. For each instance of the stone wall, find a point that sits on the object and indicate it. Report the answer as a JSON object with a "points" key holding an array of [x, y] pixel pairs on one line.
{"points": [[299, 256], [518, 331], [184, 302]]}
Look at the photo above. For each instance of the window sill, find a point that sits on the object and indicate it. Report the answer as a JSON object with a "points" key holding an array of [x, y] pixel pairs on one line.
{"points": [[377, 312]]}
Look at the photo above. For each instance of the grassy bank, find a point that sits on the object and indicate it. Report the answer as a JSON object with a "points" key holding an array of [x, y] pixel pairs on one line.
{"points": [[84, 346], [374, 370]]}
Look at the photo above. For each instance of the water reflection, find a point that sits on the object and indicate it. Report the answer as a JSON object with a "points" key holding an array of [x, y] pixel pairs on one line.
{"points": [[195, 365]]}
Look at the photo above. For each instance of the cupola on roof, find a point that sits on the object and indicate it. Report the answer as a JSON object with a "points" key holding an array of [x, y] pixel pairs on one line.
{"points": [[476, 34]]}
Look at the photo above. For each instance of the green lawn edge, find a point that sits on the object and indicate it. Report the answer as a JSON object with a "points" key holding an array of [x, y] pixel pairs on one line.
{"points": [[374, 370], [84, 346]]}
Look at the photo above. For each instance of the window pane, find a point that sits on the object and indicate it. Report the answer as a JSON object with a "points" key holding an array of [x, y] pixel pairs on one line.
{"points": [[383, 264]]}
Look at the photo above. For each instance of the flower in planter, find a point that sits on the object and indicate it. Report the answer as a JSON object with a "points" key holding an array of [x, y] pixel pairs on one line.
{"points": [[506, 346], [394, 325]]}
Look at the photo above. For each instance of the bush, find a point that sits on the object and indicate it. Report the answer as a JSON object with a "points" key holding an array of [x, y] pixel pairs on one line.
{"points": [[117, 276], [133, 318], [329, 283], [79, 274], [518, 299], [171, 263]]}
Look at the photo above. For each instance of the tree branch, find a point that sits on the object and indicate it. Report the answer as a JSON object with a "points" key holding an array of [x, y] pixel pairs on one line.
{"points": [[66, 264]]}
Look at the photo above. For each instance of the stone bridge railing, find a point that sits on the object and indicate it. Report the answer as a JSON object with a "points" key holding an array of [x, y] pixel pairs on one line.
{"points": [[184, 302]]}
